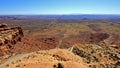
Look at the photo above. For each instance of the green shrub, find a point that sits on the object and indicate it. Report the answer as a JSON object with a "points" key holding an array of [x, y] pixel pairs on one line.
{"points": [[60, 65]]}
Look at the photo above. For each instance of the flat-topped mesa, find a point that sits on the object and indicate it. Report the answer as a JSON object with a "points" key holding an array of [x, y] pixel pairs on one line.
{"points": [[8, 37]]}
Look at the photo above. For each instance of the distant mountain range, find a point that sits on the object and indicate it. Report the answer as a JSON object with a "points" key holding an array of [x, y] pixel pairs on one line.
{"points": [[84, 16]]}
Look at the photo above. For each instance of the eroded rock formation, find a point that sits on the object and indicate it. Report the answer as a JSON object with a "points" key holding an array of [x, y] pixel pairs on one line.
{"points": [[9, 35]]}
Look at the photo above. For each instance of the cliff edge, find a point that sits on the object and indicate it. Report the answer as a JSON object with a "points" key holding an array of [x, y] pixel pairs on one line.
{"points": [[9, 35]]}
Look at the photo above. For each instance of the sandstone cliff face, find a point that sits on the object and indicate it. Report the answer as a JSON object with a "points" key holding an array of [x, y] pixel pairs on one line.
{"points": [[8, 37]]}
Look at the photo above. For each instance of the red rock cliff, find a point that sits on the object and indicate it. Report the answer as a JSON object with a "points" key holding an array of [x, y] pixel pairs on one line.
{"points": [[9, 35]]}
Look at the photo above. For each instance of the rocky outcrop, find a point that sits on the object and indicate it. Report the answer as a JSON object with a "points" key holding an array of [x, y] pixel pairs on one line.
{"points": [[9, 35]]}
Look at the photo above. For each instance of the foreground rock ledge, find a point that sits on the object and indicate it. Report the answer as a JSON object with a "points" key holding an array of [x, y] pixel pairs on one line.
{"points": [[45, 59]]}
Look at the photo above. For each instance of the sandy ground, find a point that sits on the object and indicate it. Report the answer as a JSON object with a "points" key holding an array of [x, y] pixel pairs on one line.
{"points": [[45, 59]]}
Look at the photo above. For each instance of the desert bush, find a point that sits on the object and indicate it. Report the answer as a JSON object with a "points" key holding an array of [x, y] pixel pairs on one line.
{"points": [[100, 54], [96, 59], [94, 66], [102, 66], [60, 65], [90, 66], [17, 65], [107, 65], [7, 65], [114, 57], [117, 64], [88, 59]]}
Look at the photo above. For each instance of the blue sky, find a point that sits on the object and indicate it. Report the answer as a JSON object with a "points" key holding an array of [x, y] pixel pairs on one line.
{"points": [[59, 7]]}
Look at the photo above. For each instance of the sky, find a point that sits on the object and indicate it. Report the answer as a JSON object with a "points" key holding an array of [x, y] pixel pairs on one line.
{"points": [[26, 7]]}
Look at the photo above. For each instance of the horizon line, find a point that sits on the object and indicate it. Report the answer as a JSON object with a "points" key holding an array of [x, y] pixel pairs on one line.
{"points": [[58, 14]]}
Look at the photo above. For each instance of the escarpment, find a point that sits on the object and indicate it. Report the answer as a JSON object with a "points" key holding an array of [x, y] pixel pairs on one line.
{"points": [[9, 35]]}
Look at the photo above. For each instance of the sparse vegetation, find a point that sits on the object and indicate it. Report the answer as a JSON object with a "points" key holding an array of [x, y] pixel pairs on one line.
{"points": [[94, 59]]}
